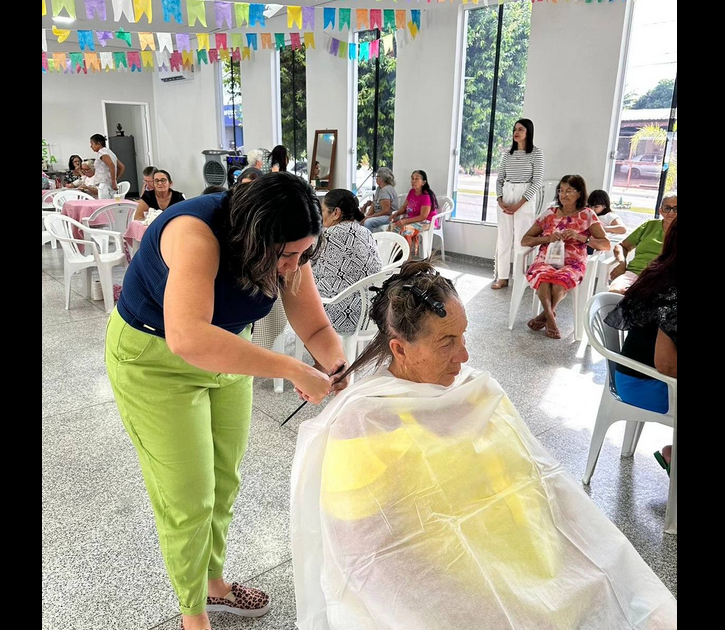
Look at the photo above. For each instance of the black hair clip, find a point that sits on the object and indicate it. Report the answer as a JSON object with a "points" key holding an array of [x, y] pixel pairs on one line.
{"points": [[436, 306]]}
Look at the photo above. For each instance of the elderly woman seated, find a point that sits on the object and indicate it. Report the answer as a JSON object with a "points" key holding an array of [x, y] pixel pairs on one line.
{"points": [[87, 183], [421, 500], [383, 204], [571, 226]]}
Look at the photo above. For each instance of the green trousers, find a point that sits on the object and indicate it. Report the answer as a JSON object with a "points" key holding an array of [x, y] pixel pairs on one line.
{"points": [[190, 429]]}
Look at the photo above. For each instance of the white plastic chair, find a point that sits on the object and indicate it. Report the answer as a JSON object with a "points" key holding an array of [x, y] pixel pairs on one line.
{"points": [[607, 342], [445, 209], [123, 188], [61, 228], [47, 237], [364, 324], [48, 198], [65, 195], [579, 294], [393, 248], [116, 217], [546, 194]]}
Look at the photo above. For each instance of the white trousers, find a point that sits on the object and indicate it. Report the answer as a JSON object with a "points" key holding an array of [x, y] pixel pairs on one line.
{"points": [[511, 227]]}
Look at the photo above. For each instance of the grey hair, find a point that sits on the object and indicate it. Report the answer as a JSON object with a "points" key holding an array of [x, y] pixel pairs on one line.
{"points": [[89, 164], [254, 156], [386, 175], [669, 195]]}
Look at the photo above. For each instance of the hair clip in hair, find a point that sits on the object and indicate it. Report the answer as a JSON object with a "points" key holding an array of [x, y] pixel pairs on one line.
{"points": [[436, 306]]}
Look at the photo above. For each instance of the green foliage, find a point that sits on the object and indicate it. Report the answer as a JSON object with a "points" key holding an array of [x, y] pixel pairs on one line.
{"points": [[366, 107], [659, 97], [294, 101], [479, 78]]}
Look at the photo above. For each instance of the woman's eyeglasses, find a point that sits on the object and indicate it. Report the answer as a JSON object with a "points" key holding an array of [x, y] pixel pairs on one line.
{"points": [[161, 181], [668, 209]]}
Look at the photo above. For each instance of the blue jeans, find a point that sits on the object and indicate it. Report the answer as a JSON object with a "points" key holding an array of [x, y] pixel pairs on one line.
{"points": [[645, 393], [377, 224]]}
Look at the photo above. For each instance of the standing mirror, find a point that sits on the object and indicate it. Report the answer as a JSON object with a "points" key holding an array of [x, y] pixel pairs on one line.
{"points": [[323, 159]]}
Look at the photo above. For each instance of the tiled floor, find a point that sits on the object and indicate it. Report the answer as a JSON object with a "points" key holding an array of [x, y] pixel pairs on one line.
{"points": [[102, 569]]}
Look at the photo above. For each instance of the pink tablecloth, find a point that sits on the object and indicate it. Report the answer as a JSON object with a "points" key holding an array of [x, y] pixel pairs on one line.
{"points": [[79, 209], [133, 235]]}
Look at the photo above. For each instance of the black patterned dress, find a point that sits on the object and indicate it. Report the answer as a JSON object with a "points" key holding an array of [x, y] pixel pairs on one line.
{"points": [[348, 254]]}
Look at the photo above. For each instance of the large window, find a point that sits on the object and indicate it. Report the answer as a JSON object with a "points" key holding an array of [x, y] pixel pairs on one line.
{"points": [[645, 154], [231, 114], [375, 113], [497, 44], [293, 90]]}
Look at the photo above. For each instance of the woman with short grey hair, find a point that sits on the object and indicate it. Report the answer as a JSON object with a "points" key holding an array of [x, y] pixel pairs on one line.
{"points": [[383, 204]]}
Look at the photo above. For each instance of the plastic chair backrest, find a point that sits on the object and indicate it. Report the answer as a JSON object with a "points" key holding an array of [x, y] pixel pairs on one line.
{"points": [[116, 215], [61, 228], [393, 248], [602, 336], [546, 196], [48, 196], [123, 188], [445, 209], [65, 195]]}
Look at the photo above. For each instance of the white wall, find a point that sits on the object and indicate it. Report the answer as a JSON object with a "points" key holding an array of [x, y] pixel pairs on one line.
{"points": [[260, 101], [131, 119], [72, 109], [187, 122], [330, 91], [572, 85]]}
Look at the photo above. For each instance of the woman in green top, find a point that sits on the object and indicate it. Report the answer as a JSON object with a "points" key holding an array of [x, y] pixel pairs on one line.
{"points": [[647, 239]]}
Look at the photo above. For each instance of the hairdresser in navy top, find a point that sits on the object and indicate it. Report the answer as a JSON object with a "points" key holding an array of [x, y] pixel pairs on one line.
{"points": [[180, 362]]}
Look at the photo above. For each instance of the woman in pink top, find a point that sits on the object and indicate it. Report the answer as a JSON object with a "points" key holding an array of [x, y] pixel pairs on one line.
{"points": [[419, 208]]}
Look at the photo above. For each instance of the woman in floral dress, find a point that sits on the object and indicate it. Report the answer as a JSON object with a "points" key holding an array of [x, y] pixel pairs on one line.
{"points": [[578, 226]]}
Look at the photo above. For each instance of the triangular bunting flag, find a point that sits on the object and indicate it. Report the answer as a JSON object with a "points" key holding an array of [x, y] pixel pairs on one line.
{"points": [[172, 9], [162, 60], [202, 41], [224, 54], [213, 55], [415, 17], [241, 10], [266, 41], [183, 42], [165, 41], [147, 41], [220, 41], [344, 19], [376, 18], [375, 48], [400, 19], [295, 41], [134, 60], [45, 58], [365, 51], [388, 44], [61, 33], [352, 52], [125, 36], [76, 62], [195, 12], [362, 17], [308, 18], [45, 41], [68, 5], [122, 7], [343, 50], [85, 40], [187, 58], [104, 37], [176, 61], [329, 17], [279, 41], [252, 40], [236, 41], [413, 29], [294, 17], [147, 57], [222, 14], [246, 52], [93, 63], [120, 60], [96, 8], [142, 7], [310, 40], [107, 61], [389, 19], [256, 14]]}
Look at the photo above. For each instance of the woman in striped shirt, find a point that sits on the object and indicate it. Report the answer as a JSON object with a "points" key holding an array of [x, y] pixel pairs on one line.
{"points": [[519, 180]]}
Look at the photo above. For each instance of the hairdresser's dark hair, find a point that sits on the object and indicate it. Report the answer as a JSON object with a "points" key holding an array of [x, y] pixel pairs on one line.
{"points": [[262, 217], [399, 313], [346, 201]]}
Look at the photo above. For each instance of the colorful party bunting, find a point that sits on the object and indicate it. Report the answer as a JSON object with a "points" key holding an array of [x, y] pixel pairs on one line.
{"points": [[334, 46], [172, 9], [295, 41], [247, 52], [310, 40], [266, 40], [415, 17], [389, 16], [344, 18], [352, 51], [388, 44], [45, 9], [176, 61], [224, 54], [252, 40], [76, 62], [45, 41], [375, 48], [146, 40], [213, 55], [241, 10], [165, 41], [68, 5], [195, 12], [93, 63], [308, 18], [220, 41], [45, 58], [236, 41], [96, 8], [124, 36], [61, 33], [183, 42], [134, 60], [107, 61], [376, 18], [59, 61], [329, 17], [163, 61], [413, 29], [202, 41], [222, 14], [279, 41], [294, 17], [362, 17], [202, 57], [365, 51], [400, 19], [343, 50], [147, 57], [120, 60], [256, 14], [142, 7], [122, 7], [104, 37], [187, 58], [85, 40]]}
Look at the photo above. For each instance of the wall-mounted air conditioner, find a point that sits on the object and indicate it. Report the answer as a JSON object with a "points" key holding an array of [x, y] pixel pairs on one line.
{"points": [[174, 76]]}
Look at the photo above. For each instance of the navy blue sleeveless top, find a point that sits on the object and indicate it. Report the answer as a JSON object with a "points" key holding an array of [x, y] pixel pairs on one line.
{"points": [[142, 300]]}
